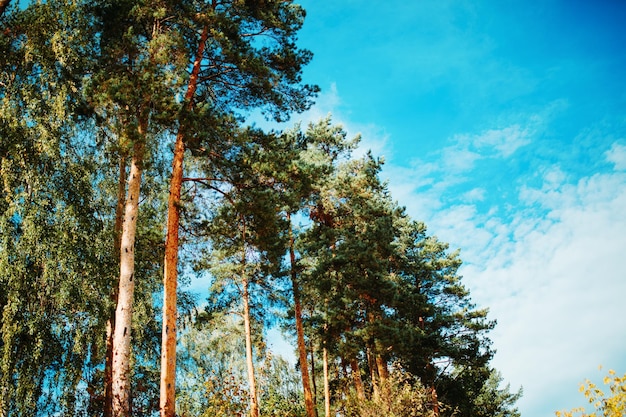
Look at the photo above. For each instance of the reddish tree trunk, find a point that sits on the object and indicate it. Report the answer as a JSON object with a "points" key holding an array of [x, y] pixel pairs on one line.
{"points": [[435, 400], [170, 276], [304, 366], [383, 376], [358, 381]]}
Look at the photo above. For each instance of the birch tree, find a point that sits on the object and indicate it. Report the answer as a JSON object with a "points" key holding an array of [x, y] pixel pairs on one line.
{"points": [[134, 91], [51, 233]]}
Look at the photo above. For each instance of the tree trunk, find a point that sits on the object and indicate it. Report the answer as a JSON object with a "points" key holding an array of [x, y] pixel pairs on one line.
{"points": [[167, 403], [371, 362], [304, 366], [383, 376], [3, 5], [254, 405], [123, 312], [358, 381], [117, 230], [326, 383], [312, 354], [435, 400]]}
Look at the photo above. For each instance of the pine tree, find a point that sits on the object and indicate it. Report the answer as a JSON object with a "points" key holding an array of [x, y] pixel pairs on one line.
{"points": [[433, 319], [313, 157], [232, 71], [132, 94], [246, 233]]}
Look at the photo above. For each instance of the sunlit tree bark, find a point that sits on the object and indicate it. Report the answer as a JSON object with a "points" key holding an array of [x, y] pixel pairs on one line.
{"points": [[326, 382], [110, 327], [254, 401], [170, 276], [124, 310], [302, 353]]}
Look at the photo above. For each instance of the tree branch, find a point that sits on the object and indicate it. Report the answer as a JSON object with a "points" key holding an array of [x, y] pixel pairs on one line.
{"points": [[3, 6]]}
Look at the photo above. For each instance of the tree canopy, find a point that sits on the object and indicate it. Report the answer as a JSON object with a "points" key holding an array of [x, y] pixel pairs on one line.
{"points": [[97, 99]]}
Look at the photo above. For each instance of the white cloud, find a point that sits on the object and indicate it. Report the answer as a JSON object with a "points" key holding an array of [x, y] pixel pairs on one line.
{"points": [[548, 263], [617, 155], [458, 158], [560, 296], [455, 161], [555, 283], [475, 194], [505, 141]]}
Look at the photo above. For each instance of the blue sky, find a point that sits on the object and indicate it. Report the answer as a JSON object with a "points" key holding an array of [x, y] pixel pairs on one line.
{"points": [[503, 127]]}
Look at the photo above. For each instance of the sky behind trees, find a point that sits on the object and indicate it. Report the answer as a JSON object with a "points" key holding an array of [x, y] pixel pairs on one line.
{"points": [[503, 127]]}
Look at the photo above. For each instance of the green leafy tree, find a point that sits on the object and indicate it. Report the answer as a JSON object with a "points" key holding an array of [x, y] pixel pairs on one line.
{"points": [[52, 236], [213, 377], [495, 400], [212, 371], [407, 398], [52, 130], [280, 389]]}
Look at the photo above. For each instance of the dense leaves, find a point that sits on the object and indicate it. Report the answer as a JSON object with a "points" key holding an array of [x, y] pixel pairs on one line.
{"points": [[288, 227]]}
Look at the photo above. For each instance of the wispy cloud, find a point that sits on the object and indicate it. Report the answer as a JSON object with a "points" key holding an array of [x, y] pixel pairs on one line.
{"points": [[548, 264], [556, 288], [617, 155], [329, 102], [450, 177], [504, 141], [543, 251]]}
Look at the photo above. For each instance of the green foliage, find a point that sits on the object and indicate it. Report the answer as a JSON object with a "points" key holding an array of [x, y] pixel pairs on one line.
{"points": [[494, 400], [212, 367], [255, 61], [212, 376], [225, 397], [379, 286], [52, 239], [611, 404], [57, 261], [78, 79], [405, 397], [280, 389]]}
